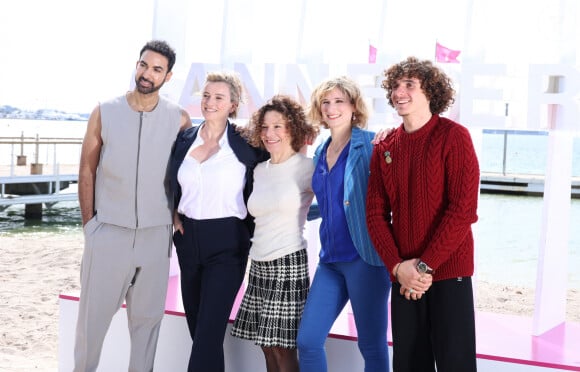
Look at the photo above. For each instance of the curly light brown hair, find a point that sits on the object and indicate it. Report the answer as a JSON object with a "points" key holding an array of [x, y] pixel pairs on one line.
{"points": [[299, 128], [436, 85], [350, 89]]}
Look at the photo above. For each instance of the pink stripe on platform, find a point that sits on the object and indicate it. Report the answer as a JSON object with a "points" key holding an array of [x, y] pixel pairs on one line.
{"points": [[69, 297]]}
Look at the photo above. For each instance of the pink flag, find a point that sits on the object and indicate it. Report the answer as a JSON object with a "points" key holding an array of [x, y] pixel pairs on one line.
{"points": [[446, 55], [372, 54]]}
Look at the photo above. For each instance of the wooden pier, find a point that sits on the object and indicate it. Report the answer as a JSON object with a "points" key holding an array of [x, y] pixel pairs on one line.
{"points": [[39, 182], [36, 190], [520, 184]]}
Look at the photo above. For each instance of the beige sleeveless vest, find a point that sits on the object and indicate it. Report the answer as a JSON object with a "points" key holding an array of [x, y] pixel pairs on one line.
{"points": [[132, 185]]}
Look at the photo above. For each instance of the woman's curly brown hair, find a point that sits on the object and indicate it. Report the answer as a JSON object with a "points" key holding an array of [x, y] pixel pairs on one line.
{"points": [[436, 85], [300, 130]]}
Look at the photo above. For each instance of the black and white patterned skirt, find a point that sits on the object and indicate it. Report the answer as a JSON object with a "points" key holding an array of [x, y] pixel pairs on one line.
{"points": [[272, 306]]}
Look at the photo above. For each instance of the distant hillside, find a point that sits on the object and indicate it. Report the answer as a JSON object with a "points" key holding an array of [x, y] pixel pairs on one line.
{"points": [[11, 112]]}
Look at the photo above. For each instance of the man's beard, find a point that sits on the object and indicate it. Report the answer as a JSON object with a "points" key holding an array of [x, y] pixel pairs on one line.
{"points": [[146, 90]]}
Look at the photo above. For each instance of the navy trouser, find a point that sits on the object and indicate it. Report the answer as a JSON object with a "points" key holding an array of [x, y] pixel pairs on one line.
{"points": [[437, 329], [212, 258]]}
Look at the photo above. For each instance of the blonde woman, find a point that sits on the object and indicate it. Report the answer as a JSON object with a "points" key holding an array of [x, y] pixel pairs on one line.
{"points": [[349, 268], [211, 174]]}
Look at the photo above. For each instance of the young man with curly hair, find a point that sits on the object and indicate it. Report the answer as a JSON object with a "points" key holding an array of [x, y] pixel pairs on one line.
{"points": [[421, 203]]}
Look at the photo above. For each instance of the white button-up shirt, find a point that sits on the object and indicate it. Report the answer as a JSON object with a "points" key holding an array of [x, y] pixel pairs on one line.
{"points": [[214, 188]]}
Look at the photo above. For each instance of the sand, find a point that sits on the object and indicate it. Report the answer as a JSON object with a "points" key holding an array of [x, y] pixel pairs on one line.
{"points": [[35, 269]]}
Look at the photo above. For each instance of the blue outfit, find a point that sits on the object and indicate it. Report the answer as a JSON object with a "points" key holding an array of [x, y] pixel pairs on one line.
{"points": [[342, 273], [334, 232]]}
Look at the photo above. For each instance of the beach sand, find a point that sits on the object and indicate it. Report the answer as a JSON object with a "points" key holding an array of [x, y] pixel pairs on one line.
{"points": [[35, 269]]}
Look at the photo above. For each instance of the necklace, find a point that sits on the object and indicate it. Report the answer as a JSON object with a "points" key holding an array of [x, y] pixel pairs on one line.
{"points": [[337, 149]]}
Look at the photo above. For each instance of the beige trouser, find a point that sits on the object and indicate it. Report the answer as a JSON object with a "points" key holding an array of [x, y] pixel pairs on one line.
{"points": [[121, 264]]}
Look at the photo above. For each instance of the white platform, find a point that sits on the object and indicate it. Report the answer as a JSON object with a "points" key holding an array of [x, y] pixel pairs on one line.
{"points": [[504, 343]]}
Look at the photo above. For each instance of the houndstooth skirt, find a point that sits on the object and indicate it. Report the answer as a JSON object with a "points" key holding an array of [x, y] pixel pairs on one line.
{"points": [[272, 306]]}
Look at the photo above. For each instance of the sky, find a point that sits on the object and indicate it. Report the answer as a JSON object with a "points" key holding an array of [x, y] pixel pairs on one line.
{"points": [[67, 54], [71, 54]]}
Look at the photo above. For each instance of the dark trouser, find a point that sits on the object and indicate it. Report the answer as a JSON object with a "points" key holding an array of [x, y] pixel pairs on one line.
{"points": [[437, 329], [212, 257]]}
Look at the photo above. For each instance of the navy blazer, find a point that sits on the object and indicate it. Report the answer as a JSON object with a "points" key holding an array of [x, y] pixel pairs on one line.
{"points": [[246, 154]]}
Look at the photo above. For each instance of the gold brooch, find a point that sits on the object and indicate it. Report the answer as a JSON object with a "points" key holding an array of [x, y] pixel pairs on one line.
{"points": [[388, 158]]}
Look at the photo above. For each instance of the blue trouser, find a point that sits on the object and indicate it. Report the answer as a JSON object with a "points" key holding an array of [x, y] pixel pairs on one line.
{"points": [[334, 284], [212, 258]]}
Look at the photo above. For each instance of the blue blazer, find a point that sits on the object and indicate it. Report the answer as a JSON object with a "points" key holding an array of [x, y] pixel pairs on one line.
{"points": [[246, 154], [356, 177]]}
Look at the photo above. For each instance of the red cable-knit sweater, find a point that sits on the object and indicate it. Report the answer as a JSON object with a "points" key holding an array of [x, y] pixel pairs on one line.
{"points": [[428, 181]]}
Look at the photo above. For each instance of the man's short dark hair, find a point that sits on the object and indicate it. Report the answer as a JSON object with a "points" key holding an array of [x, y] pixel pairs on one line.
{"points": [[161, 47]]}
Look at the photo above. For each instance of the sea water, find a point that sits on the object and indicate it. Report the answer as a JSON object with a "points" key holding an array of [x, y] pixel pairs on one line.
{"points": [[507, 233]]}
